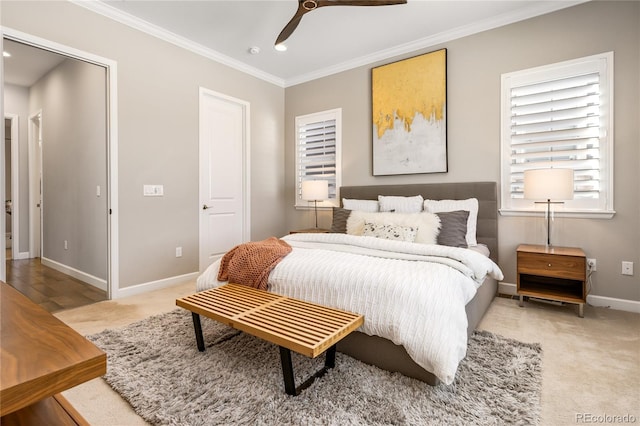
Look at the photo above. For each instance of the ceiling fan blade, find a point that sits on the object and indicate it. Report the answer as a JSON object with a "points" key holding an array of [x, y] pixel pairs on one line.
{"points": [[305, 6], [322, 3], [297, 17], [288, 29]]}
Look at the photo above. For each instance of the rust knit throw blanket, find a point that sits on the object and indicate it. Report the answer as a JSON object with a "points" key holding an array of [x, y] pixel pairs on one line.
{"points": [[251, 263]]}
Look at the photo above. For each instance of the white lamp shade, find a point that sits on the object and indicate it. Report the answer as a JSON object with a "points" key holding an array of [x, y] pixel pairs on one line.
{"points": [[315, 190], [548, 184]]}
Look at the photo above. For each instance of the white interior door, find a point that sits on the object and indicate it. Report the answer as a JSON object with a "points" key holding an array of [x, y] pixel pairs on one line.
{"points": [[35, 184], [13, 194], [224, 175]]}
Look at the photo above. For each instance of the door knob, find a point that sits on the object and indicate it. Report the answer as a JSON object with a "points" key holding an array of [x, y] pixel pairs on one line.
{"points": [[204, 207]]}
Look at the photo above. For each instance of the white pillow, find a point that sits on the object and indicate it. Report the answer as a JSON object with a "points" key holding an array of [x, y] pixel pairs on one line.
{"points": [[428, 224], [470, 205], [390, 232], [393, 203], [360, 205]]}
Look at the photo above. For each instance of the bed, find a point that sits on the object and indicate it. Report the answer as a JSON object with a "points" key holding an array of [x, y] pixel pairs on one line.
{"points": [[469, 281]]}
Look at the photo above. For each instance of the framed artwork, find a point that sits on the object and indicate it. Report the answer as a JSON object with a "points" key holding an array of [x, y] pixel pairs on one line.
{"points": [[409, 111]]}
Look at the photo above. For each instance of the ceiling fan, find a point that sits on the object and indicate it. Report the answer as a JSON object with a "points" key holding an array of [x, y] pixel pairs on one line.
{"points": [[305, 6]]}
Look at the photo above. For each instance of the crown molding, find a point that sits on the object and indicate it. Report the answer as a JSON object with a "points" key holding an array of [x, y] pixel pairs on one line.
{"points": [[535, 9], [117, 15]]}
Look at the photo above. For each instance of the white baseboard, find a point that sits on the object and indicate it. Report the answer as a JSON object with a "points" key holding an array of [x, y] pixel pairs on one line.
{"points": [[153, 285], [508, 289], [600, 301], [75, 273], [22, 255], [613, 303]]}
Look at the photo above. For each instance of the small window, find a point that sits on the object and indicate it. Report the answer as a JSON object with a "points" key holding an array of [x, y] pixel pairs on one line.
{"points": [[318, 147], [560, 116]]}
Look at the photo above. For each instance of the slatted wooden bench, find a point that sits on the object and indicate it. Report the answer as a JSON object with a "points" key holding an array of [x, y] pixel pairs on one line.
{"points": [[292, 324]]}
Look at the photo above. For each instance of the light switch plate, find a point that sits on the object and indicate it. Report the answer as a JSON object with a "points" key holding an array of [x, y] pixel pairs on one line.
{"points": [[153, 190]]}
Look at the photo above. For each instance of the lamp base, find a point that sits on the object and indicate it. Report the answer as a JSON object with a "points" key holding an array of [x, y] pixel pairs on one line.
{"points": [[315, 207], [548, 217]]}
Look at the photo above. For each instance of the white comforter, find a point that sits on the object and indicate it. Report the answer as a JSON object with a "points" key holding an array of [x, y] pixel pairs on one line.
{"points": [[411, 294]]}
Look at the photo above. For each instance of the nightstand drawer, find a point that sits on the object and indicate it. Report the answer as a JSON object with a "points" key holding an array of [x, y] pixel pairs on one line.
{"points": [[549, 265]]}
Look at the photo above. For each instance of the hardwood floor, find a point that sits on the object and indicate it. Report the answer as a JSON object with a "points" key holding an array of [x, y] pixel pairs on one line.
{"points": [[51, 289]]}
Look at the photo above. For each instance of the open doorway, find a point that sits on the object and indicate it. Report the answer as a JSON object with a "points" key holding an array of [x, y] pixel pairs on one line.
{"points": [[64, 213]]}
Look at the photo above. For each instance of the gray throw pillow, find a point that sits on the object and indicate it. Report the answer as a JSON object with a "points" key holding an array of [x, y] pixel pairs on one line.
{"points": [[453, 228], [339, 222]]}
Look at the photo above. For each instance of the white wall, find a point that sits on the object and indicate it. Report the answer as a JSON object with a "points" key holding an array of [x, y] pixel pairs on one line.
{"points": [[474, 68]]}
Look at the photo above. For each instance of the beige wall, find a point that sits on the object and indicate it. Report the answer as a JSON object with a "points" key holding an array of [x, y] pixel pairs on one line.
{"points": [[474, 67], [158, 135], [72, 98]]}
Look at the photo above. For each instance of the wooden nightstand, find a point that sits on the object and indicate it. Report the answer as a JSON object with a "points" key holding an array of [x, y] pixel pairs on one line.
{"points": [[310, 231], [555, 273]]}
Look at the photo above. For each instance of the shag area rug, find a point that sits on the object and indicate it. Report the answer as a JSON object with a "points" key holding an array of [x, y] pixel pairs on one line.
{"points": [[155, 365]]}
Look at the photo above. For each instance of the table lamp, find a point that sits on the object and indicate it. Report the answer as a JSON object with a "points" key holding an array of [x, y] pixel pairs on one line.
{"points": [[548, 184], [315, 190]]}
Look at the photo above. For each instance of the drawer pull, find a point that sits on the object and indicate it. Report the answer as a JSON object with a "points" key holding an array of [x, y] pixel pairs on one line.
{"points": [[549, 265]]}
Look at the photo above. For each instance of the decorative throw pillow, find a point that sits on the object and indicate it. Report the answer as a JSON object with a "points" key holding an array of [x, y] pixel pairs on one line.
{"points": [[339, 221], [393, 203], [470, 205], [360, 205], [390, 232], [453, 228], [427, 224]]}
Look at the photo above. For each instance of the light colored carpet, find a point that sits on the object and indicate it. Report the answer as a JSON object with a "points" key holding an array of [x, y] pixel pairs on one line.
{"points": [[591, 365], [155, 365]]}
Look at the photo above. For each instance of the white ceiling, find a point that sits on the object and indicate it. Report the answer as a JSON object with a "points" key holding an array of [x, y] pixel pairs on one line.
{"points": [[328, 40], [27, 64]]}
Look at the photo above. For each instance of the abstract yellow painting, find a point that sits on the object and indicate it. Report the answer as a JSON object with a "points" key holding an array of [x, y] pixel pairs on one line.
{"points": [[409, 110]]}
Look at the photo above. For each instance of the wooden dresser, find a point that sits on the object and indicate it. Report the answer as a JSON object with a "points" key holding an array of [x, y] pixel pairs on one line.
{"points": [[41, 356]]}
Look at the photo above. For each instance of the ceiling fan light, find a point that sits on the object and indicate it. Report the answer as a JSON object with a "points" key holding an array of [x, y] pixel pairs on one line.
{"points": [[281, 47]]}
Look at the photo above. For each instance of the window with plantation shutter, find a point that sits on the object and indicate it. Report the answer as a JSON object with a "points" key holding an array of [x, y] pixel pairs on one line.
{"points": [[559, 116], [318, 146]]}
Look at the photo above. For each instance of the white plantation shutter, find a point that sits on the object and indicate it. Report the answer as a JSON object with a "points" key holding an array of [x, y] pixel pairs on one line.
{"points": [[558, 117], [557, 124], [317, 151]]}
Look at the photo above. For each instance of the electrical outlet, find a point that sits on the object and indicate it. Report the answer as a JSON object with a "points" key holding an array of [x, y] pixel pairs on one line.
{"points": [[178, 251], [591, 265], [627, 268]]}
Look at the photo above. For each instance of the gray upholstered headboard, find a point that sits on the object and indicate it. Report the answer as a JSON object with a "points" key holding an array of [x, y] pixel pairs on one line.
{"points": [[485, 192]]}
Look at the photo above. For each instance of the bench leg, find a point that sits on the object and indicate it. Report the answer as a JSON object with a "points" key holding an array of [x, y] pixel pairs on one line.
{"points": [[330, 358], [198, 329], [287, 370]]}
